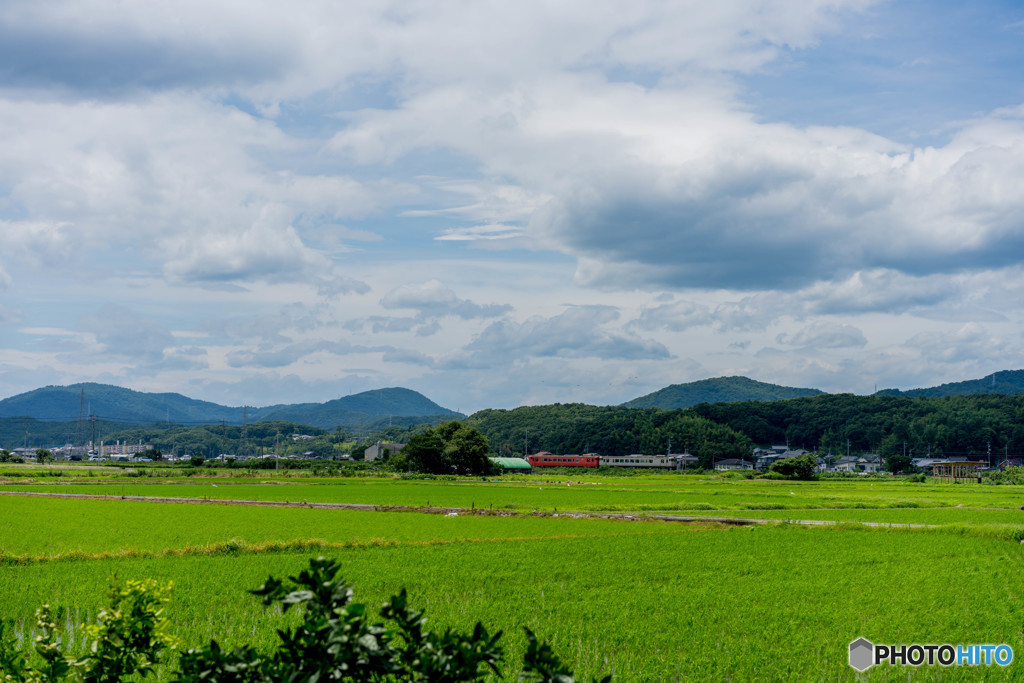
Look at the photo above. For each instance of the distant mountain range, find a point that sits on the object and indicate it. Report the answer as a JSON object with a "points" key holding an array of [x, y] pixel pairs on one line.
{"points": [[728, 389], [717, 390], [403, 406], [1003, 382], [108, 402]]}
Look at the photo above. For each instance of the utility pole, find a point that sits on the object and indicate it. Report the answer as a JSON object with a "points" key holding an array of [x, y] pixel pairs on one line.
{"points": [[245, 430], [79, 435], [92, 446]]}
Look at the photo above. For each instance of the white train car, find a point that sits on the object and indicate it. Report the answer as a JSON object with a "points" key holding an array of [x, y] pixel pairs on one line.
{"points": [[663, 462]]}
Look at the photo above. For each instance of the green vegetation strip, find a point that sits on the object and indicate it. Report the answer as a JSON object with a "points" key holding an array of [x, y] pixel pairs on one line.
{"points": [[87, 527], [753, 603]]}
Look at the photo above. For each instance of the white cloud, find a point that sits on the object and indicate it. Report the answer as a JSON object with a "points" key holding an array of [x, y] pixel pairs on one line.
{"points": [[676, 316], [825, 335], [265, 250], [433, 300], [579, 332]]}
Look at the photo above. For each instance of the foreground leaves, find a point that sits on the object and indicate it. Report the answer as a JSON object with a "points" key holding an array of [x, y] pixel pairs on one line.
{"points": [[335, 641]]}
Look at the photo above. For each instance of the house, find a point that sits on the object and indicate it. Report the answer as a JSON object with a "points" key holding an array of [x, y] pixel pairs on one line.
{"points": [[869, 462], [764, 457], [734, 464], [686, 461], [379, 451]]}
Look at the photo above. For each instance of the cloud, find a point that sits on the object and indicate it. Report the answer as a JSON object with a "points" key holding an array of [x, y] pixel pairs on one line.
{"points": [[121, 332], [266, 357], [268, 328], [286, 355], [825, 335], [407, 356], [434, 300], [108, 48], [265, 250], [970, 343], [332, 287], [475, 233], [677, 317], [576, 333]]}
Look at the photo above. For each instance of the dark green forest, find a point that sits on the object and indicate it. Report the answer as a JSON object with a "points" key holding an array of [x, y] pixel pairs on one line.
{"points": [[947, 426], [608, 430]]}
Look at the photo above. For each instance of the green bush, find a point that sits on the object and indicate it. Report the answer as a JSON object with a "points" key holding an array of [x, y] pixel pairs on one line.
{"points": [[804, 467]]}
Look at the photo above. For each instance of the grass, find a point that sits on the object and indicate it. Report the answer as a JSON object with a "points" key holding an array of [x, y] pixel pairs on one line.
{"points": [[646, 601], [665, 493], [83, 527], [740, 604]]}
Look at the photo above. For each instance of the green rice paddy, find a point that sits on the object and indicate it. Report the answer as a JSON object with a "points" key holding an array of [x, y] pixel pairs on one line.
{"points": [[642, 600]]}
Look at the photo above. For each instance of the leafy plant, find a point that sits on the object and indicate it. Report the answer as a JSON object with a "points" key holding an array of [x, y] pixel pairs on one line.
{"points": [[336, 640], [130, 637]]}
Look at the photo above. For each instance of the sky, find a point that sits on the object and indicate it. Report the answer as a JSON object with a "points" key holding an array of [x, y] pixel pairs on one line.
{"points": [[508, 203]]}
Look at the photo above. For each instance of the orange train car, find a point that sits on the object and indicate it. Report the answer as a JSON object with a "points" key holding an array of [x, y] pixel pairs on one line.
{"points": [[549, 460]]}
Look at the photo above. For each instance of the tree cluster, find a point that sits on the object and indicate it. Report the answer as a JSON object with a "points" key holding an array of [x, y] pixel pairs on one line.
{"points": [[890, 425], [449, 448]]}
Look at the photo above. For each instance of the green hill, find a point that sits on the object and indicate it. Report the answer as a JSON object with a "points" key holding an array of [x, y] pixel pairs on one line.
{"points": [[716, 390], [1008, 382], [117, 404]]}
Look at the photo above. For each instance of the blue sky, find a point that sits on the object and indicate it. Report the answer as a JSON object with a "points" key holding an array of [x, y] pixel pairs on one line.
{"points": [[500, 204]]}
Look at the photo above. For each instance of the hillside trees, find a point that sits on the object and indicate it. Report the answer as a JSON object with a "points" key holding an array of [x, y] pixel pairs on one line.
{"points": [[449, 448], [608, 430], [953, 426]]}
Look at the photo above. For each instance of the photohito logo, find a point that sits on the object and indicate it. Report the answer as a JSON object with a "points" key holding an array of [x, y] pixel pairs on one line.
{"points": [[864, 655]]}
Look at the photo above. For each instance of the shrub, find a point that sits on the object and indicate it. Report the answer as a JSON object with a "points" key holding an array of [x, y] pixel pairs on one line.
{"points": [[801, 467], [336, 640]]}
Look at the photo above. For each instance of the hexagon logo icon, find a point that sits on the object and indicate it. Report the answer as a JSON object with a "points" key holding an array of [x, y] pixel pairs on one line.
{"points": [[862, 653]]}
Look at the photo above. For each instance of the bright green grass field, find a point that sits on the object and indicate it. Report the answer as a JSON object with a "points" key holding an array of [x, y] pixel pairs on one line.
{"points": [[665, 493], [51, 526], [646, 601], [765, 603]]}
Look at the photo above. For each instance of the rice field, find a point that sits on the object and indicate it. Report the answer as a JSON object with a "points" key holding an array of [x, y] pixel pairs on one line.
{"points": [[642, 600]]}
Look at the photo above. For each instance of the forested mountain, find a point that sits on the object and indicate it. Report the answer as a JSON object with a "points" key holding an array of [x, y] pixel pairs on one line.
{"points": [[68, 403], [1007, 382], [952, 425], [608, 430], [716, 390]]}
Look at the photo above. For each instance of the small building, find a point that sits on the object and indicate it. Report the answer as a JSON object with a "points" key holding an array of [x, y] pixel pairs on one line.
{"points": [[513, 465], [380, 450], [686, 461], [734, 464], [858, 463], [764, 457]]}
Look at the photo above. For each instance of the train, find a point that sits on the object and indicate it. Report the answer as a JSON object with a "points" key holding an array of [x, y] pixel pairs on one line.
{"points": [[545, 459], [665, 462]]}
